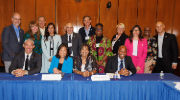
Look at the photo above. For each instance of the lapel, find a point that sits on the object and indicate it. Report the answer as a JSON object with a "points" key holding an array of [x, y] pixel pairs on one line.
{"points": [[66, 39], [164, 42], [125, 61], [139, 47], [90, 31], [31, 58], [74, 38], [20, 34], [116, 61], [13, 32], [22, 59]]}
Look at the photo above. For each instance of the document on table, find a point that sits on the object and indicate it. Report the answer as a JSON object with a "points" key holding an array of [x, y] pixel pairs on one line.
{"points": [[51, 77], [100, 78], [177, 85], [111, 75]]}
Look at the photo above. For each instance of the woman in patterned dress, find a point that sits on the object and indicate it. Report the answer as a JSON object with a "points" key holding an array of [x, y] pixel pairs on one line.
{"points": [[100, 47], [35, 35]]}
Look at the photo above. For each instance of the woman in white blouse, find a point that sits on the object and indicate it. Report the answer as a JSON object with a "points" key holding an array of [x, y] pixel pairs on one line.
{"points": [[137, 48]]}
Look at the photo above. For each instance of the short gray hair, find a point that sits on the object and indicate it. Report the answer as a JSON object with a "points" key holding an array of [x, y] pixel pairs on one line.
{"points": [[29, 39]]}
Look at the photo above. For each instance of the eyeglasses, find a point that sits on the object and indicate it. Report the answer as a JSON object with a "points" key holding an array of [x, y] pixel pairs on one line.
{"points": [[136, 30], [17, 18], [99, 29]]}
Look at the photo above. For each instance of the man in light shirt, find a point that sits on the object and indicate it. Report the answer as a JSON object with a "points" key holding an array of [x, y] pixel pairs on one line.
{"points": [[167, 50], [12, 40], [42, 22], [26, 62], [120, 63]]}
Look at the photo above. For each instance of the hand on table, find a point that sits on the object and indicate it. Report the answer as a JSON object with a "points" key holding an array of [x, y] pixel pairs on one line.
{"points": [[124, 72], [56, 71]]}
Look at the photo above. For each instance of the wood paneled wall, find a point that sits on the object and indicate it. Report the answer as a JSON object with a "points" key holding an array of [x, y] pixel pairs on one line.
{"points": [[61, 12]]}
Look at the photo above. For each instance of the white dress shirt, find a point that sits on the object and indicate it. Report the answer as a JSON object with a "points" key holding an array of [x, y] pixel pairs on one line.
{"points": [[160, 43], [71, 41], [83, 68], [135, 47], [42, 31], [119, 63]]}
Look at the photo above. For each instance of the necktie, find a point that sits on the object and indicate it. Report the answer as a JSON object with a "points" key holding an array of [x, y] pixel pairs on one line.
{"points": [[121, 65], [26, 63], [70, 41]]}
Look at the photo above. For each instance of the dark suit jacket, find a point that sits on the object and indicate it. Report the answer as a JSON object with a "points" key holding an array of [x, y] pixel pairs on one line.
{"points": [[35, 62], [76, 43], [169, 49], [10, 43], [83, 33], [119, 42], [112, 64], [77, 63]]}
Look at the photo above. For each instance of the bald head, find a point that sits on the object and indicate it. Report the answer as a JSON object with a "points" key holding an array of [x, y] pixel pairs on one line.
{"points": [[69, 28], [122, 52], [16, 19], [160, 28]]}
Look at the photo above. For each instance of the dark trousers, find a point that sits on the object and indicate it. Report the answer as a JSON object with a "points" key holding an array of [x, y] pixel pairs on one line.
{"points": [[161, 66]]}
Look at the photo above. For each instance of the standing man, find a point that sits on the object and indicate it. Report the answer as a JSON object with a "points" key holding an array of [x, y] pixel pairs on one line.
{"points": [[42, 22], [12, 40], [87, 31], [73, 40], [167, 50], [152, 51]]}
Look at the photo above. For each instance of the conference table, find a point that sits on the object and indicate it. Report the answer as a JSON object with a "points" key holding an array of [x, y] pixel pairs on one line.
{"points": [[76, 87]]}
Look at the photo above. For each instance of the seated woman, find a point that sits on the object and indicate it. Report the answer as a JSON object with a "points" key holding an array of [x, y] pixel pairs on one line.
{"points": [[61, 62], [85, 64]]}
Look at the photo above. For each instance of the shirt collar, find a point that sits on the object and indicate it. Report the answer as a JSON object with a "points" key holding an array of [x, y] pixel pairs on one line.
{"points": [[162, 35], [119, 60], [16, 28], [69, 35], [27, 54], [88, 29]]}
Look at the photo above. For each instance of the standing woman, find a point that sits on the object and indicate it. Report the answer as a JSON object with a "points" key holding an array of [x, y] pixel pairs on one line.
{"points": [[137, 48], [35, 35], [119, 38], [100, 47], [50, 43]]}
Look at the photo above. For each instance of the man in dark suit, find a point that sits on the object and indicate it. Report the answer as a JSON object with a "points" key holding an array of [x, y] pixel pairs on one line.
{"points": [[73, 40], [87, 31], [12, 40], [167, 50], [26, 62], [120, 63]]}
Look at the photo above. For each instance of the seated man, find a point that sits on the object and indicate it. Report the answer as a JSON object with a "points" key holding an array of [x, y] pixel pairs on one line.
{"points": [[26, 62], [120, 63]]}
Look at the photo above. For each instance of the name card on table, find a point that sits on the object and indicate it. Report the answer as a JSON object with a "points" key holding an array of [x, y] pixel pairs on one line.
{"points": [[177, 86], [51, 77], [111, 75], [100, 78]]}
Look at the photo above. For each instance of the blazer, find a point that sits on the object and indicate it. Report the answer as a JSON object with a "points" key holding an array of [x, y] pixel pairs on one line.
{"points": [[169, 48], [34, 64], [66, 67], [142, 51], [10, 43], [112, 64], [76, 43], [77, 63], [119, 42], [83, 33]]}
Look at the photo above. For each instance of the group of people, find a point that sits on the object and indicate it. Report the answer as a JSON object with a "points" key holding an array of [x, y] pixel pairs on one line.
{"points": [[88, 52]]}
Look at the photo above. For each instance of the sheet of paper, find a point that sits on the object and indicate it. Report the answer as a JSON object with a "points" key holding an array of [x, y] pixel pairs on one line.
{"points": [[100, 78], [50, 77], [111, 75], [87, 38], [177, 86], [69, 44]]}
